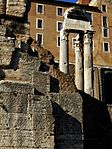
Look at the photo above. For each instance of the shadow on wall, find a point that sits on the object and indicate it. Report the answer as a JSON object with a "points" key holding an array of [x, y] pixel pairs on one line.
{"points": [[67, 129], [97, 125], [15, 59]]}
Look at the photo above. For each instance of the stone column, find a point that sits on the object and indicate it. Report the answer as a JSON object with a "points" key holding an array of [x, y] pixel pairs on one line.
{"points": [[79, 79], [88, 63], [64, 55]]}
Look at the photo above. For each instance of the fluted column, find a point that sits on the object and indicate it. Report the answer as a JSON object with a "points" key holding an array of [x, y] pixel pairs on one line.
{"points": [[79, 79], [64, 52], [88, 63]]}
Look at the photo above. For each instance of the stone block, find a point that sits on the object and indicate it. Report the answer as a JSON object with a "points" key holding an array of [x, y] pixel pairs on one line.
{"points": [[29, 62], [41, 82], [16, 8], [16, 86], [19, 75], [2, 30], [39, 104], [17, 138], [15, 121], [6, 49], [14, 102], [72, 107]]}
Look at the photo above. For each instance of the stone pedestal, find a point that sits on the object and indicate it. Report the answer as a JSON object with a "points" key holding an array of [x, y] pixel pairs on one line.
{"points": [[64, 56], [78, 64], [88, 64]]}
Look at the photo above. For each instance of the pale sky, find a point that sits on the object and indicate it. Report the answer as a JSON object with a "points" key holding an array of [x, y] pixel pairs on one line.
{"points": [[68, 0]]}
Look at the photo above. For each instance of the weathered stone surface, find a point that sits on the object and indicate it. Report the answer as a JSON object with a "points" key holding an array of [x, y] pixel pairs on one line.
{"points": [[15, 8], [15, 86], [14, 102], [18, 75], [2, 31], [28, 62], [42, 82], [8, 55]]}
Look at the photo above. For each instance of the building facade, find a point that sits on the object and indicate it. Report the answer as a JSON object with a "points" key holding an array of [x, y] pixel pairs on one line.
{"points": [[46, 22]]}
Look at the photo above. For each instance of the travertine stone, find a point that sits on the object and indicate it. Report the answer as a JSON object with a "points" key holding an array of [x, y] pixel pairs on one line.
{"points": [[14, 102], [6, 47], [16, 8], [29, 62], [2, 31], [42, 82], [18, 75], [8, 55], [15, 86]]}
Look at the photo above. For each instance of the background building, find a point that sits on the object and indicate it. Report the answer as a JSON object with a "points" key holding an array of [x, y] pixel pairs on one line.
{"points": [[46, 19]]}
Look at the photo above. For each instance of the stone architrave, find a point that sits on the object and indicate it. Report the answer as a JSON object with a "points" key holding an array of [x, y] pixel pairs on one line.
{"points": [[88, 64], [64, 55], [79, 64], [75, 24]]}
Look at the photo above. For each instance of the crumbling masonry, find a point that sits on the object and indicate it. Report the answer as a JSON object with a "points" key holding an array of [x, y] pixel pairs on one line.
{"points": [[40, 107]]}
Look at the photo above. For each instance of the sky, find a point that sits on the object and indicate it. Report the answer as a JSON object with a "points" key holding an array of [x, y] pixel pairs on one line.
{"points": [[68, 0]]}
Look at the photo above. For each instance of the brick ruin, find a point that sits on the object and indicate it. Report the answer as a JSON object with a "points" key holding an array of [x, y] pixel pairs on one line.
{"points": [[40, 107]]}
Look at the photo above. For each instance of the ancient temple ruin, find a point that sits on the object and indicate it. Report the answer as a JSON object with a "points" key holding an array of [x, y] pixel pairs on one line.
{"points": [[78, 21], [40, 106]]}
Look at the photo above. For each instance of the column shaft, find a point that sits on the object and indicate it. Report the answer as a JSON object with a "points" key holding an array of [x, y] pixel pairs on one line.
{"points": [[88, 64], [78, 65], [64, 55]]}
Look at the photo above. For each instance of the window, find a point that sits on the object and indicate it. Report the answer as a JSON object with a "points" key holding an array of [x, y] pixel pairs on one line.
{"points": [[73, 42], [59, 11], [104, 23], [106, 47], [40, 8], [39, 38], [105, 29], [39, 23], [59, 25], [58, 41], [104, 8], [105, 32]]}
